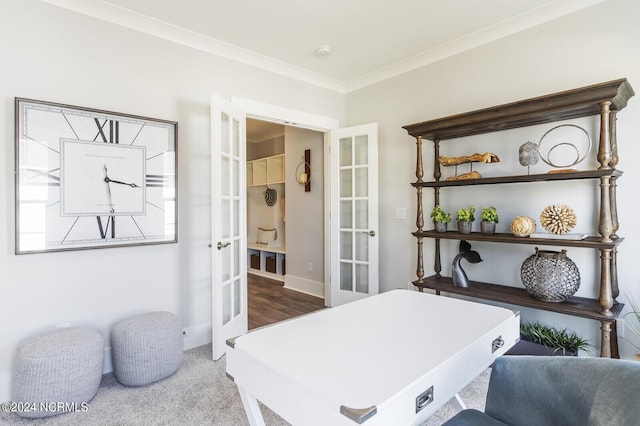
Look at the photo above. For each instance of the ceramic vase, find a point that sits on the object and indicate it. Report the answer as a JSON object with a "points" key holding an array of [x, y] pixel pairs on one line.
{"points": [[464, 227], [487, 228], [440, 226]]}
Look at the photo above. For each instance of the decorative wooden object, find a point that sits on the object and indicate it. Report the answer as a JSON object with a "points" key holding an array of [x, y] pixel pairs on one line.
{"points": [[307, 169], [605, 100]]}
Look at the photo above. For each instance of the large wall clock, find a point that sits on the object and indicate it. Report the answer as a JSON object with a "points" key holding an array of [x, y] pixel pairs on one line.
{"points": [[88, 178]]}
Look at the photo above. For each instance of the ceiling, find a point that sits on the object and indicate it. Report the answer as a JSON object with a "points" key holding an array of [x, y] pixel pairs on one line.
{"points": [[370, 40], [260, 131]]}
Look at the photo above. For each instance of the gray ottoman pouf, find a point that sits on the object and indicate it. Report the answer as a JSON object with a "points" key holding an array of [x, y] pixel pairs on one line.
{"points": [[146, 348], [57, 371]]}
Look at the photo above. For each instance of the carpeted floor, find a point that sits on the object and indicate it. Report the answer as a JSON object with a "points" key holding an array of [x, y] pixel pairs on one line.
{"points": [[199, 393]]}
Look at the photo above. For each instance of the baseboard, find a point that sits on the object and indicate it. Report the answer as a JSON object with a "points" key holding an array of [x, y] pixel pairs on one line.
{"points": [[197, 335], [302, 285]]}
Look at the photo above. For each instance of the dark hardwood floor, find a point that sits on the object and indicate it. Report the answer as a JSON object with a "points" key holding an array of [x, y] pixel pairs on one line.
{"points": [[270, 302]]}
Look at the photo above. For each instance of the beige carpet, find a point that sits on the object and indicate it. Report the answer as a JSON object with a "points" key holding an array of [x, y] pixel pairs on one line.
{"points": [[199, 393]]}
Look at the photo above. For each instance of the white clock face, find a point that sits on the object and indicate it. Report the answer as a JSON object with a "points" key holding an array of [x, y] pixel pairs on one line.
{"points": [[88, 178], [98, 179]]}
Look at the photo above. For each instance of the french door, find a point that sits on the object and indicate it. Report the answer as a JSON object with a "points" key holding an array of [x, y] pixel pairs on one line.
{"points": [[228, 224], [354, 213]]}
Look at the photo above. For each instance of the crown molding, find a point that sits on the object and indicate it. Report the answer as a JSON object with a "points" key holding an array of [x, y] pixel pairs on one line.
{"points": [[545, 13], [145, 24], [126, 18]]}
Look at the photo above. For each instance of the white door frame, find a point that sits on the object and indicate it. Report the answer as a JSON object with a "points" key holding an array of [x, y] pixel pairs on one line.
{"points": [[289, 117]]}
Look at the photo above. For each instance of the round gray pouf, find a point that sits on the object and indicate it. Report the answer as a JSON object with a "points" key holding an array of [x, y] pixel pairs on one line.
{"points": [[146, 348], [57, 371]]}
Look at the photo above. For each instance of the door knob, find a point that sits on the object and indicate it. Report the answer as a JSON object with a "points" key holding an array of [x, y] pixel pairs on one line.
{"points": [[221, 245], [371, 233]]}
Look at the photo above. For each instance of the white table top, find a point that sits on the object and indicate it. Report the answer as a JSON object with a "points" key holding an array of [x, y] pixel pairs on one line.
{"points": [[361, 353]]}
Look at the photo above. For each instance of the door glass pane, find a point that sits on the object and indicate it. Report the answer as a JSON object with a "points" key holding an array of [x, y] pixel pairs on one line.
{"points": [[362, 214], [362, 181], [235, 178], [361, 149], [226, 174], [235, 144], [346, 182], [236, 298], [236, 215], [225, 264], [346, 276], [346, 245], [226, 303], [224, 133], [225, 205], [346, 152], [362, 246], [362, 278], [346, 212], [236, 258]]}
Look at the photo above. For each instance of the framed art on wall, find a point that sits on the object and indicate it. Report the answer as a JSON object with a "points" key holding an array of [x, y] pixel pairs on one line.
{"points": [[87, 178]]}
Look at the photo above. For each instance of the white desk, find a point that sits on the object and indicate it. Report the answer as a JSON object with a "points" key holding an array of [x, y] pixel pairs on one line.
{"points": [[370, 361]]}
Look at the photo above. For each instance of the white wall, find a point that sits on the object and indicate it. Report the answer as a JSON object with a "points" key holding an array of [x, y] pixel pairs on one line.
{"points": [[304, 213], [56, 55], [591, 46]]}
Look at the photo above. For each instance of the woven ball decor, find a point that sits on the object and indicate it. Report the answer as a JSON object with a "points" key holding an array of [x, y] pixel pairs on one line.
{"points": [[550, 276]]}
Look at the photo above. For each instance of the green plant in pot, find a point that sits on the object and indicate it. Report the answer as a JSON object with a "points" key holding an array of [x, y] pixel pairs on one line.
{"points": [[552, 341], [465, 219], [489, 220], [440, 219]]}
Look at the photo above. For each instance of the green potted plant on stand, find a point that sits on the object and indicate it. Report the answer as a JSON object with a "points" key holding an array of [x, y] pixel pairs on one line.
{"points": [[440, 219], [465, 219], [489, 220]]}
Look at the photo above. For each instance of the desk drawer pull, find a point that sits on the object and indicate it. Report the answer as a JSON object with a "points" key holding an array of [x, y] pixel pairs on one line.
{"points": [[497, 344], [424, 399]]}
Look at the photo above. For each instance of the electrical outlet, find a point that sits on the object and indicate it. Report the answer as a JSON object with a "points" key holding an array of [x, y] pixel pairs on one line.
{"points": [[309, 267]]}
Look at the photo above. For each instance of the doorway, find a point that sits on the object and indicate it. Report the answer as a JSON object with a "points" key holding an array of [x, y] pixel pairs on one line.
{"points": [[285, 231]]}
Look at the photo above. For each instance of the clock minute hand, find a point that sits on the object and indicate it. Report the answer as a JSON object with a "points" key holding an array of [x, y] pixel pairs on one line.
{"points": [[132, 185], [108, 187]]}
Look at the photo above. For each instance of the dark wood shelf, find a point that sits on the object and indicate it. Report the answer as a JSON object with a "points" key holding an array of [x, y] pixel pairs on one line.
{"points": [[544, 177], [589, 242], [581, 102], [575, 306], [602, 100]]}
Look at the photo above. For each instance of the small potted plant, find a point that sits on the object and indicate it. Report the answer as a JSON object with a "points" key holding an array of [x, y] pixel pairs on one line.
{"points": [[465, 218], [440, 219], [489, 220]]}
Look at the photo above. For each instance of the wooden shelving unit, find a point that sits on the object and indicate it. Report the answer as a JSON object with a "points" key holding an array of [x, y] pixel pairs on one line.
{"points": [[605, 100]]}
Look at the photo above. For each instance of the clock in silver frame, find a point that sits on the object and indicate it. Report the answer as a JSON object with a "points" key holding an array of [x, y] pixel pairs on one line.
{"points": [[88, 178]]}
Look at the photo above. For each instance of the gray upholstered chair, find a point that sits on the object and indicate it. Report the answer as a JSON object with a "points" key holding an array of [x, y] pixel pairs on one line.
{"points": [[567, 391]]}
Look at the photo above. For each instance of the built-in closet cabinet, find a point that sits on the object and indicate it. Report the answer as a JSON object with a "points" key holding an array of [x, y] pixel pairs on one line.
{"points": [[266, 174]]}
